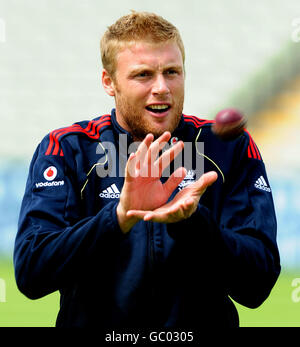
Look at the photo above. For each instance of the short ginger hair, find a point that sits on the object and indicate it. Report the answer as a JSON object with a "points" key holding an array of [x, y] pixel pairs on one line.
{"points": [[136, 27]]}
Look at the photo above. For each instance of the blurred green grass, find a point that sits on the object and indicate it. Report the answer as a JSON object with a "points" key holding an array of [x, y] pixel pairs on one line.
{"points": [[19, 311], [279, 310]]}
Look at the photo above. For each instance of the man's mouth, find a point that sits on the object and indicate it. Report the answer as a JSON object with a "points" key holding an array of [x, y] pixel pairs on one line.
{"points": [[158, 108]]}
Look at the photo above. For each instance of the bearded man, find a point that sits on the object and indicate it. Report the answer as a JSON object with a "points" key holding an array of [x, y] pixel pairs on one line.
{"points": [[140, 248]]}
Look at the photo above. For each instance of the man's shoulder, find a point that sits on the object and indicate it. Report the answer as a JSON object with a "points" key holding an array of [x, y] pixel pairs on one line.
{"points": [[199, 124], [90, 129], [196, 122]]}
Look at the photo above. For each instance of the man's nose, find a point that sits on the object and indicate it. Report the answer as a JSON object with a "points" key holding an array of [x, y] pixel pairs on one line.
{"points": [[160, 85]]}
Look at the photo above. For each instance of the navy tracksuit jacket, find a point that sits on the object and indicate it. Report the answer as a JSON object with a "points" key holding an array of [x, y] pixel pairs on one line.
{"points": [[157, 275]]}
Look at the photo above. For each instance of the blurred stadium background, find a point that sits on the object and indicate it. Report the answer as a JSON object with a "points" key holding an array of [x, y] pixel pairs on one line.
{"points": [[239, 54]]}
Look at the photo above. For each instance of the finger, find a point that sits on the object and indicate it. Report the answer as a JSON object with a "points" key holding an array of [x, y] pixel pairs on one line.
{"points": [[140, 214], [168, 156], [159, 144], [156, 216], [174, 180], [164, 138], [189, 207], [130, 169], [170, 215], [188, 203], [148, 151], [205, 181], [149, 168], [166, 214], [142, 149]]}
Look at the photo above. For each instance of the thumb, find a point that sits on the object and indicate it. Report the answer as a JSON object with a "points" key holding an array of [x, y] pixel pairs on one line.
{"points": [[206, 180]]}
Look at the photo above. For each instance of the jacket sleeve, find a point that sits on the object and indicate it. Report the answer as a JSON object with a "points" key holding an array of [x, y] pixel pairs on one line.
{"points": [[238, 234], [246, 229], [53, 243]]}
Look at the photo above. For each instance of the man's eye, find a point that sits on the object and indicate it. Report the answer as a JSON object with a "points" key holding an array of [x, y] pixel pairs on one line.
{"points": [[143, 74], [171, 72]]}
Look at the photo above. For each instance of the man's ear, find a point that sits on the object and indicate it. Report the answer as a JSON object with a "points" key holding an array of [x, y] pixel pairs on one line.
{"points": [[108, 83]]}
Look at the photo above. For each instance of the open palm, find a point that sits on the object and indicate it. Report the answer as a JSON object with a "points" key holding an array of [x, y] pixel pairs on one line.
{"points": [[144, 196], [144, 170], [182, 206]]}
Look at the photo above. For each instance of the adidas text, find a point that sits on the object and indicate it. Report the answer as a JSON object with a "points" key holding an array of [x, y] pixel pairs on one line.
{"points": [[110, 195], [267, 189], [111, 192]]}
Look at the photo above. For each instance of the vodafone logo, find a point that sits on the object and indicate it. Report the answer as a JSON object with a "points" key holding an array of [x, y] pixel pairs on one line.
{"points": [[50, 173], [173, 141]]}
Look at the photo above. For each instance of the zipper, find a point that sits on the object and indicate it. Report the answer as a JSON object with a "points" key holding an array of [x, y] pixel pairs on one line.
{"points": [[151, 264], [151, 261], [151, 249]]}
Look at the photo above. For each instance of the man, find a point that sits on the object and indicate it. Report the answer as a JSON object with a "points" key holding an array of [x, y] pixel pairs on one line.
{"points": [[131, 238]]}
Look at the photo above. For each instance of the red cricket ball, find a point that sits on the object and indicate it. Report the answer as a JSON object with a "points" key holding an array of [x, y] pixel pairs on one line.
{"points": [[229, 124]]}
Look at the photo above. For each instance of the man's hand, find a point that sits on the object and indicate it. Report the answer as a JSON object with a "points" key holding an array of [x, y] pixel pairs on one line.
{"points": [[182, 206], [144, 196], [142, 189]]}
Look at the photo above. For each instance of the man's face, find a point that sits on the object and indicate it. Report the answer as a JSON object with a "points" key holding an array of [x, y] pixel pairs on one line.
{"points": [[149, 88]]}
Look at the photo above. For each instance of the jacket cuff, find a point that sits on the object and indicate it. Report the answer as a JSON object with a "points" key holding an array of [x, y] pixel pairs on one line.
{"points": [[114, 219]]}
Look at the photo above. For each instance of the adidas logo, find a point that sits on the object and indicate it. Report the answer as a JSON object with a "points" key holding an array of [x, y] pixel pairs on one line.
{"points": [[262, 184], [112, 192]]}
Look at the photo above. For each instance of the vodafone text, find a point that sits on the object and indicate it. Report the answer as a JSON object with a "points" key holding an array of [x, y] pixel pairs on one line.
{"points": [[49, 184]]}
